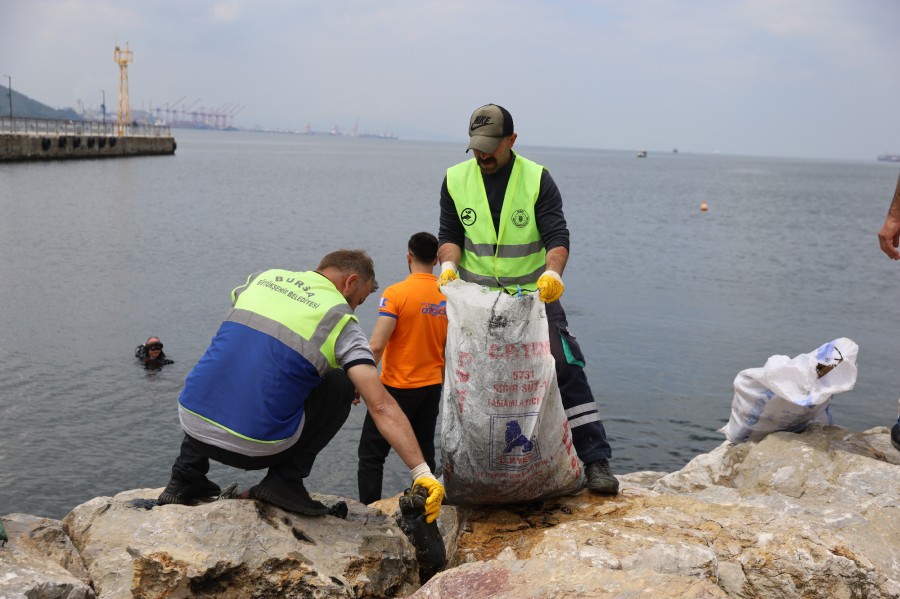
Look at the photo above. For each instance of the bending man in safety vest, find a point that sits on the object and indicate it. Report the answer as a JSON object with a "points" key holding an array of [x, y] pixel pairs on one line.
{"points": [[502, 226], [277, 383]]}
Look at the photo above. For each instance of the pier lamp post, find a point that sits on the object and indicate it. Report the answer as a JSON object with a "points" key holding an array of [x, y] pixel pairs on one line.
{"points": [[103, 107], [9, 93]]}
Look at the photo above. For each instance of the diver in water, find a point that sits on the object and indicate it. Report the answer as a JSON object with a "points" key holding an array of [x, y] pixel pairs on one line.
{"points": [[151, 354]]}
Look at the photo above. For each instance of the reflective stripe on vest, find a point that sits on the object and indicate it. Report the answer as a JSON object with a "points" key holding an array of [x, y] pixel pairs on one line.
{"points": [[247, 393], [514, 258], [268, 302]]}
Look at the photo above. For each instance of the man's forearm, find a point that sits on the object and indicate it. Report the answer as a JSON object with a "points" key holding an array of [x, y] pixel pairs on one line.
{"points": [[449, 252], [396, 430], [557, 258], [895, 204], [387, 415]]}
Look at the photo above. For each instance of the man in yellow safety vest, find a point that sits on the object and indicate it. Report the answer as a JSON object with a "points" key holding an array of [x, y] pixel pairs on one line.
{"points": [[502, 226], [277, 383]]}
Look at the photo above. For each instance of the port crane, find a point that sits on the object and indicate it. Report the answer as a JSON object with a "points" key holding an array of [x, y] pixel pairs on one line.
{"points": [[172, 110], [186, 112], [234, 113]]}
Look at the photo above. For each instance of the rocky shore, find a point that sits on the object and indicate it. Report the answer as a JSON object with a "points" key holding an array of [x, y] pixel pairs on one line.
{"points": [[812, 515]]}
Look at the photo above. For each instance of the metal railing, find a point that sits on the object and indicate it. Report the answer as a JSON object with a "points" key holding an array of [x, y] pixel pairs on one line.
{"points": [[58, 127]]}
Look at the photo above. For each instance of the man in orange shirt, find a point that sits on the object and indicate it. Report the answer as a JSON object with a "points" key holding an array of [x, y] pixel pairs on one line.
{"points": [[409, 335]]}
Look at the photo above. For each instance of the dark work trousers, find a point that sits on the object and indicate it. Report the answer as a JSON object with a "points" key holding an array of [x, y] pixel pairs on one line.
{"points": [[421, 406], [588, 434], [326, 408]]}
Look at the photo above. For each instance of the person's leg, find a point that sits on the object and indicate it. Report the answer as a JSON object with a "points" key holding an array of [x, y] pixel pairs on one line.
{"points": [[588, 433], [421, 406], [326, 409], [188, 481], [372, 451], [423, 419]]}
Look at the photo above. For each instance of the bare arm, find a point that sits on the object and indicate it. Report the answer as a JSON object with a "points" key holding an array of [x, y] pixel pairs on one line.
{"points": [[889, 236], [449, 251], [388, 417], [557, 258], [384, 328]]}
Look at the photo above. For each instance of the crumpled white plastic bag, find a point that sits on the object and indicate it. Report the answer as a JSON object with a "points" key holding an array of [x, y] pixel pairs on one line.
{"points": [[787, 394], [504, 433]]}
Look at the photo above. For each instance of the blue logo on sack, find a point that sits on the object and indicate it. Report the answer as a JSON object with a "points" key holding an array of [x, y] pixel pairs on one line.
{"points": [[511, 449], [515, 438]]}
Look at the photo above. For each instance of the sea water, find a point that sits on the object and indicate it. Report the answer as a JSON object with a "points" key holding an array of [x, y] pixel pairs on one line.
{"points": [[669, 302]]}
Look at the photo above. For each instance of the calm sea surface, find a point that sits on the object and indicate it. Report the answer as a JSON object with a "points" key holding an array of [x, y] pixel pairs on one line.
{"points": [[668, 302]]}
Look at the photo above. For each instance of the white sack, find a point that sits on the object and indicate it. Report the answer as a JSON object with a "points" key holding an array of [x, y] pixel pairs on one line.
{"points": [[504, 433], [787, 394]]}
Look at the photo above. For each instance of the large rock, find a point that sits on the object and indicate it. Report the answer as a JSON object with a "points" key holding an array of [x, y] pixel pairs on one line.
{"points": [[814, 515], [810, 515], [40, 562], [237, 549]]}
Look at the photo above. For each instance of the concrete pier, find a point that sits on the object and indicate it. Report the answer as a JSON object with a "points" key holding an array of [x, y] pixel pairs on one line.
{"points": [[43, 139]]}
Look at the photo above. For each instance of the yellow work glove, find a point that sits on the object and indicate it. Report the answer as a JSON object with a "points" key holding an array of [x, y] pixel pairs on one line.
{"points": [[448, 273], [435, 496], [550, 286]]}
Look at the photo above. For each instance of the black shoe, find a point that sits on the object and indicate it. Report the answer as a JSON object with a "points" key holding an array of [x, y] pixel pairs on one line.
{"points": [[186, 492], [895, 436], [293, 498], [600, 479]]}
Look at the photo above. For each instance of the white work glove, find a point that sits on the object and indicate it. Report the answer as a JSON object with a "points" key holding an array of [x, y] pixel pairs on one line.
{"points": [[550, 286], [448, 273]]}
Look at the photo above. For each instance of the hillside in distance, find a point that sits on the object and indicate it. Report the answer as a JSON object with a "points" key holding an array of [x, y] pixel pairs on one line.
{"points": [[25, 107]]}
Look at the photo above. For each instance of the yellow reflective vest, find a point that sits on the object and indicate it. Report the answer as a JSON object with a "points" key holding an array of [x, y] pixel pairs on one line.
{"points": [[304, 309], [248, 391], [516, 256]]}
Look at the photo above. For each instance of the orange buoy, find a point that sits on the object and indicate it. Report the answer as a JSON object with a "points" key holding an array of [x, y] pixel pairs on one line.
{"points": [[703, 207]]}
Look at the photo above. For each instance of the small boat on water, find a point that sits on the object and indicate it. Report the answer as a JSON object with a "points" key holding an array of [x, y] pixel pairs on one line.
{"points": [[889, 157], [642, 154]]}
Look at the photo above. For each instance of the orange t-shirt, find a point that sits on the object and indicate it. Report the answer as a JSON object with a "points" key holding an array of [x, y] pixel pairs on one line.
{"points": [[414, 354]]}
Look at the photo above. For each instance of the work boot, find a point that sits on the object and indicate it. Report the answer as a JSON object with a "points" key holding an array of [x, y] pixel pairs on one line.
{"points": [[186, 492], [895, 436], [292, 498], [600, 479]]}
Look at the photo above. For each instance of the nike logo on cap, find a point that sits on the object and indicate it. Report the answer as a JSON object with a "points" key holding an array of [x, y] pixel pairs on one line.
{"points": [[481, 121]]}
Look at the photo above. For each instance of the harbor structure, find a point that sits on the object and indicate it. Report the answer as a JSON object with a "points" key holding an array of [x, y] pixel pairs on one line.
{"points": [[58, 139], [24, 139]]}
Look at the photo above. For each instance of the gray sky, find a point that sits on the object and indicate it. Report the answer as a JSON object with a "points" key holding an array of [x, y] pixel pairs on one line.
{"points": [[798, 78]]}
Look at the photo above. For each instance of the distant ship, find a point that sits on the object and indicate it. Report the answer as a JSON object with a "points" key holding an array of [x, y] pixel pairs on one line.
{"points": [[889, 157], [385, 135]]}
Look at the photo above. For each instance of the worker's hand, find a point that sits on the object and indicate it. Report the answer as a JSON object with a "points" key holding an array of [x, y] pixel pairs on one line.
{"points": [[550, 286], [435, 496], [889, 236], [448, 273]]}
